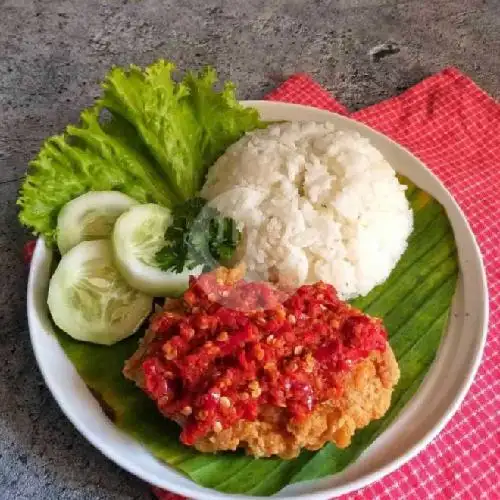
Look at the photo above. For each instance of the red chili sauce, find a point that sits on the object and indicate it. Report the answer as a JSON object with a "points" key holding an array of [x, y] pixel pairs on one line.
{"points": [[238, 347]]}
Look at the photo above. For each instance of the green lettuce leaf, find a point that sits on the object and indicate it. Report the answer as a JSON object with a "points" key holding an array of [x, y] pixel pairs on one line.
{"points": [[414, 303], [155, 143], [185, 126]]}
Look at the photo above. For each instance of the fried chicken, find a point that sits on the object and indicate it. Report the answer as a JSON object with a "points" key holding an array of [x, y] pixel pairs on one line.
{"points": [[365, 396]]}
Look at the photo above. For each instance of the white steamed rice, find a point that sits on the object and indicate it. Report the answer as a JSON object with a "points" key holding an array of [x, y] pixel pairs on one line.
{"points": [[316, 203]]}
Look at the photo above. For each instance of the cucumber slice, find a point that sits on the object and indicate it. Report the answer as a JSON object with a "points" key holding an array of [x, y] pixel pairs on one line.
{"points": [[137, 236], [91, 216], [90, 301]]}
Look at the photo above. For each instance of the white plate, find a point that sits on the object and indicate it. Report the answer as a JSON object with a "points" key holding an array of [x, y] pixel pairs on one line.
{"points": [[424, 416]]}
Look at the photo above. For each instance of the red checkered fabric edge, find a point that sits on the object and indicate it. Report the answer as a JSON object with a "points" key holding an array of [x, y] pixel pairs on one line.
{"points": [[302, 89], [454, 128]]}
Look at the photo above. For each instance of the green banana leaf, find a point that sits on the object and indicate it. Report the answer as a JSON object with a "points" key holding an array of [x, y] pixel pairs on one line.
{"points": [[414, 303]]}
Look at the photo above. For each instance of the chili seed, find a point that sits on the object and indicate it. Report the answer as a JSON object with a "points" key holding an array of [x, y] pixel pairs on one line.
{"points": [[170, 351], [225, 402], [186, 411], [223, 336]]}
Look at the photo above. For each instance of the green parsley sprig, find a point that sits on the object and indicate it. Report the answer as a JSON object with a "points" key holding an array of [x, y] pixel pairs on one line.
{"points": [[198, 235]]}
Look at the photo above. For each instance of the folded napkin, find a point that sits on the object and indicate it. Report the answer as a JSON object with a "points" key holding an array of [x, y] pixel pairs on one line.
{"points": [[454, 128]]}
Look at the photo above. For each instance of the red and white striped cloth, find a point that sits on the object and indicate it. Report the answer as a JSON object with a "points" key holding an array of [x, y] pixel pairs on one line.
{"points": [[454, 128]]}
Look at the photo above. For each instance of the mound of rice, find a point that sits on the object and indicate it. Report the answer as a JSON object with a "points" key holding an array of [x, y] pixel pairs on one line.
{"points": [[315, 203]]}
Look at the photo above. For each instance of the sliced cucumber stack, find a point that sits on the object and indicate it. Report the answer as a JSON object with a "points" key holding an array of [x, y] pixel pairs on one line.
{"points": [[137, 236], [91, 216], [90, 301]]}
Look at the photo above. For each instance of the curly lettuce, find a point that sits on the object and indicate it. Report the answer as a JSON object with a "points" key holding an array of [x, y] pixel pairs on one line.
{"points": [[156, 142]]}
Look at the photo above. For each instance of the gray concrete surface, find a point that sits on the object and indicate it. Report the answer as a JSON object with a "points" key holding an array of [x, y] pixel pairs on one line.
{"points": [[52, 56]]}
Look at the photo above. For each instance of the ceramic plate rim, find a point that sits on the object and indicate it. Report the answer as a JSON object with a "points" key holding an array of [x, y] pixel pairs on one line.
{"points": [[39, 330]]}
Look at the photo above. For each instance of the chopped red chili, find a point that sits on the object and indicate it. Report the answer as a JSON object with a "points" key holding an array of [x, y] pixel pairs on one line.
{"points": [[238, 347], [166, 495], [28, 251]]}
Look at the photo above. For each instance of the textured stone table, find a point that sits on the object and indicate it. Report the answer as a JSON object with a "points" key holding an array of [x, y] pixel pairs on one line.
{"points": [[52, 56]]}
